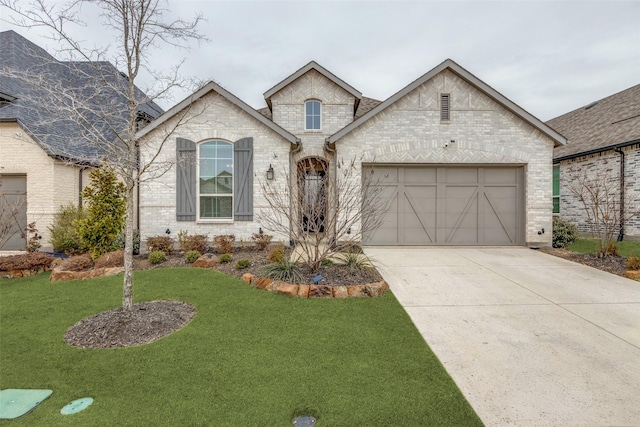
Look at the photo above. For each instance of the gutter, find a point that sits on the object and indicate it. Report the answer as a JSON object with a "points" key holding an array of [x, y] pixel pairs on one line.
{"points": [[596, 151], [621, 220], [292, 152], [331, 148]]}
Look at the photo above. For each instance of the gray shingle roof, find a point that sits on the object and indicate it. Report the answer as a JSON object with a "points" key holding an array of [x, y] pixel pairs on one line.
{"points": [[28, 73], [600, 125]]}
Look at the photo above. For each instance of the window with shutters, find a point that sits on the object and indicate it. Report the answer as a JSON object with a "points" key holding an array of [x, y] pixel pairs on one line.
{"points": [[215, 180], [556, 189], [445, 110], [313, 115]]}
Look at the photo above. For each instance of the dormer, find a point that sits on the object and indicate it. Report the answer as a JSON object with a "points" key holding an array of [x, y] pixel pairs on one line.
{"points": [[312, 101]]}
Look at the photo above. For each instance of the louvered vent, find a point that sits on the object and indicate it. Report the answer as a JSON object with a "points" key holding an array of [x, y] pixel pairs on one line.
{"points": [[444, 107]]}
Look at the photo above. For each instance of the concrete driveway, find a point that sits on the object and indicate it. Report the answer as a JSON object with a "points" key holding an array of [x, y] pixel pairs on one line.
{"points": [[530, 339]]}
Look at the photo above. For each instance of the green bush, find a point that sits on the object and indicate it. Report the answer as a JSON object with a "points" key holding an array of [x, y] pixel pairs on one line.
{"points": [[276, 253], [119, 242], [353, 260], [192, 256], [225, 258], [157, 257], [64, 230], [160, 243], [326, 262], [261, 240], [633, 263], [243, 263], [223, 244], [287, 271], [564, 232], [106, 208], [195, 242]]}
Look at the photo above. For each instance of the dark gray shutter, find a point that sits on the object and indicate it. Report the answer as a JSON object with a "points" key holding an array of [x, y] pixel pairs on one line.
{"points": [[185, 180], [243, 179]]}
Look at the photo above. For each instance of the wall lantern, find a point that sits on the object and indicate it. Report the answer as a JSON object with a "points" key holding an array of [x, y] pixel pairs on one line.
{"points": [[270, 173]]}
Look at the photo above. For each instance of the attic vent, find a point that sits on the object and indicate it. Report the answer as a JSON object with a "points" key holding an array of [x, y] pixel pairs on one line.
{"points": [[593, 104], [445, 115]]}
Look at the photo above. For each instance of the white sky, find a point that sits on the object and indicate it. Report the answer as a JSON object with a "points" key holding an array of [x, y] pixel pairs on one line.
{"points": [[548, 57]]}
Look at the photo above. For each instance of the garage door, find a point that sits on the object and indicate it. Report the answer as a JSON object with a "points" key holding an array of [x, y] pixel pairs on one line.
{"points": [[431, 205], [13, 212]]}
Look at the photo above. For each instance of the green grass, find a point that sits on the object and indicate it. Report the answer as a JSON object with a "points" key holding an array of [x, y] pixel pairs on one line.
{"points": [[590, 246], [248, 358]]}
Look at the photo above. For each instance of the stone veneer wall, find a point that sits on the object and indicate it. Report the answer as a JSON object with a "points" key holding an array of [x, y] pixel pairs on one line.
{"points": [[410, 132], [604, 163]]}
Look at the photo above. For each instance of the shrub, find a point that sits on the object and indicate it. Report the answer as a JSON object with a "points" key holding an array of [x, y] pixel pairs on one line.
{"points": [[261, 240], [77, 263], [192, 256], [353, 260], [633, 263], [119, 242], [611, 249], [160, 243], [196, 242], [110, 259], [223, 243], [242, 263], [225, 258], [157, 257], [276, 253], [25, 261], [287, 271], [326, 262], [105, 197], [64, 230], [564, 232], [33, 243]]}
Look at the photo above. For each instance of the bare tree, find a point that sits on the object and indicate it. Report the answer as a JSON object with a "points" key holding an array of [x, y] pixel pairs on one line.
{"points": [[324, 210], [599, 195], [105, 133]]}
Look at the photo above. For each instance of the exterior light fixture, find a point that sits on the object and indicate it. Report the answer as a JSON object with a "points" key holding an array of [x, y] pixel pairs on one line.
{"points": [[270, 173]]}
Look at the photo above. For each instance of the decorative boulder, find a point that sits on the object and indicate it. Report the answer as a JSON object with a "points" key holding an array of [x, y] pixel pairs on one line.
{"points": [[376, 289], [340, 292], [247, 277], [206, 261], [288, 289], [110, 259], [303, 291], [261, 282], [320, 291], [356, 291]]}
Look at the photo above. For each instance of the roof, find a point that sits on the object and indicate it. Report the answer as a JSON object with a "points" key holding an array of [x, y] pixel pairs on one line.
{"points": [[213, 86], [471, 79], [43, 91], [313, 65], [600, 125]]}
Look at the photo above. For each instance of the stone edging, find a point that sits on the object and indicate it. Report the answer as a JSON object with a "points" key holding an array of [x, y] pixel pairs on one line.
{"points": [[12, 274], [58, 275], [633, 274], [374, 289]]}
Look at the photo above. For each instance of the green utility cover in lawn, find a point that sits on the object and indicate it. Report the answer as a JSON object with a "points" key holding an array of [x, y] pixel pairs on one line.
{"points": [[77, 406], [15, 403]]}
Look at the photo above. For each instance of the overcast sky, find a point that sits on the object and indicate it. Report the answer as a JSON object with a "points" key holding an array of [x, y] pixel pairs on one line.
{"points": [[548, 57]]}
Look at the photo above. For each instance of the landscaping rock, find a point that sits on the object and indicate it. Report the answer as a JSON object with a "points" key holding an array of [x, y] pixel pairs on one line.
{"points": [[206, 261], [288, 289], [59, 275], [261, 282], [113, 271], [633, 274], [376, 289], [273, 286], [356, 291], [247, 277], [340, 292], [89, 274], [110, 259], [303, 291], [320, 291]]}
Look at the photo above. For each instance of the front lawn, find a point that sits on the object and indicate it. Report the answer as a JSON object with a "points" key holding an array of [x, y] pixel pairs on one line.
{"points": [[248, 358], [590, 246]]}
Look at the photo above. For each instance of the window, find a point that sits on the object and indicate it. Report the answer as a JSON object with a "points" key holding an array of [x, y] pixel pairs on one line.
{"points": [[215, 171], [445, 112], [313, 111], [556, 189]]}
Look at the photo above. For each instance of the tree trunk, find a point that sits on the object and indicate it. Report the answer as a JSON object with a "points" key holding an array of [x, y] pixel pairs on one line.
{"points": [[127, 293]]}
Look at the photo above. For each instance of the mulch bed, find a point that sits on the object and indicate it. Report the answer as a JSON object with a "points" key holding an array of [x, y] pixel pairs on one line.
{"points": [[611, 264]]}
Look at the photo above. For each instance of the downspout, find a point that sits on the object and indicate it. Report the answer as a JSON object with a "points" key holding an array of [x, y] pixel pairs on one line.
{"points": [[292, 152], [82, 169], [621, 233], [332, 150]]}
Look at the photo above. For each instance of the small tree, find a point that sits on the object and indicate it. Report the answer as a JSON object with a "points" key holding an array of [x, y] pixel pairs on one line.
{"points": [[324, 210], [106, 209], [599, 195]]}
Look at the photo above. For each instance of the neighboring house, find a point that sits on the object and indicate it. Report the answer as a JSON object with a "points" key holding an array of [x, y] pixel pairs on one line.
{"points": [[461, 164], [603, 140], [44, 154]]}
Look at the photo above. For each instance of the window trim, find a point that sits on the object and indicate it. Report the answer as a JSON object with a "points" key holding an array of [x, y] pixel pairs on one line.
{"points": [[555, 196], [199, 219], [319, 115]]}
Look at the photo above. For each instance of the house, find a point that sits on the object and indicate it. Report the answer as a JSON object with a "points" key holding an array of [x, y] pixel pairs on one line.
{"points": [[45, 154], [460, 163], [603, 140]]}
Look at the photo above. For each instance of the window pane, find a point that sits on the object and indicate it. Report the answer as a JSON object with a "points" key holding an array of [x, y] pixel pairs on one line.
{"points": [[207, 185], [309, 107], [316, 122], [216, 207], [224, 185], [309, 124], [208, 150], [556, 205], [556, 180], [224, 150]]}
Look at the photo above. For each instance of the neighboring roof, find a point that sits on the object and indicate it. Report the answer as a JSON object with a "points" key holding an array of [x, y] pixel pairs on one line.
{"points": [[28, 73], [313, 65], [600, 125], [471, 79], [209, 87]]}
